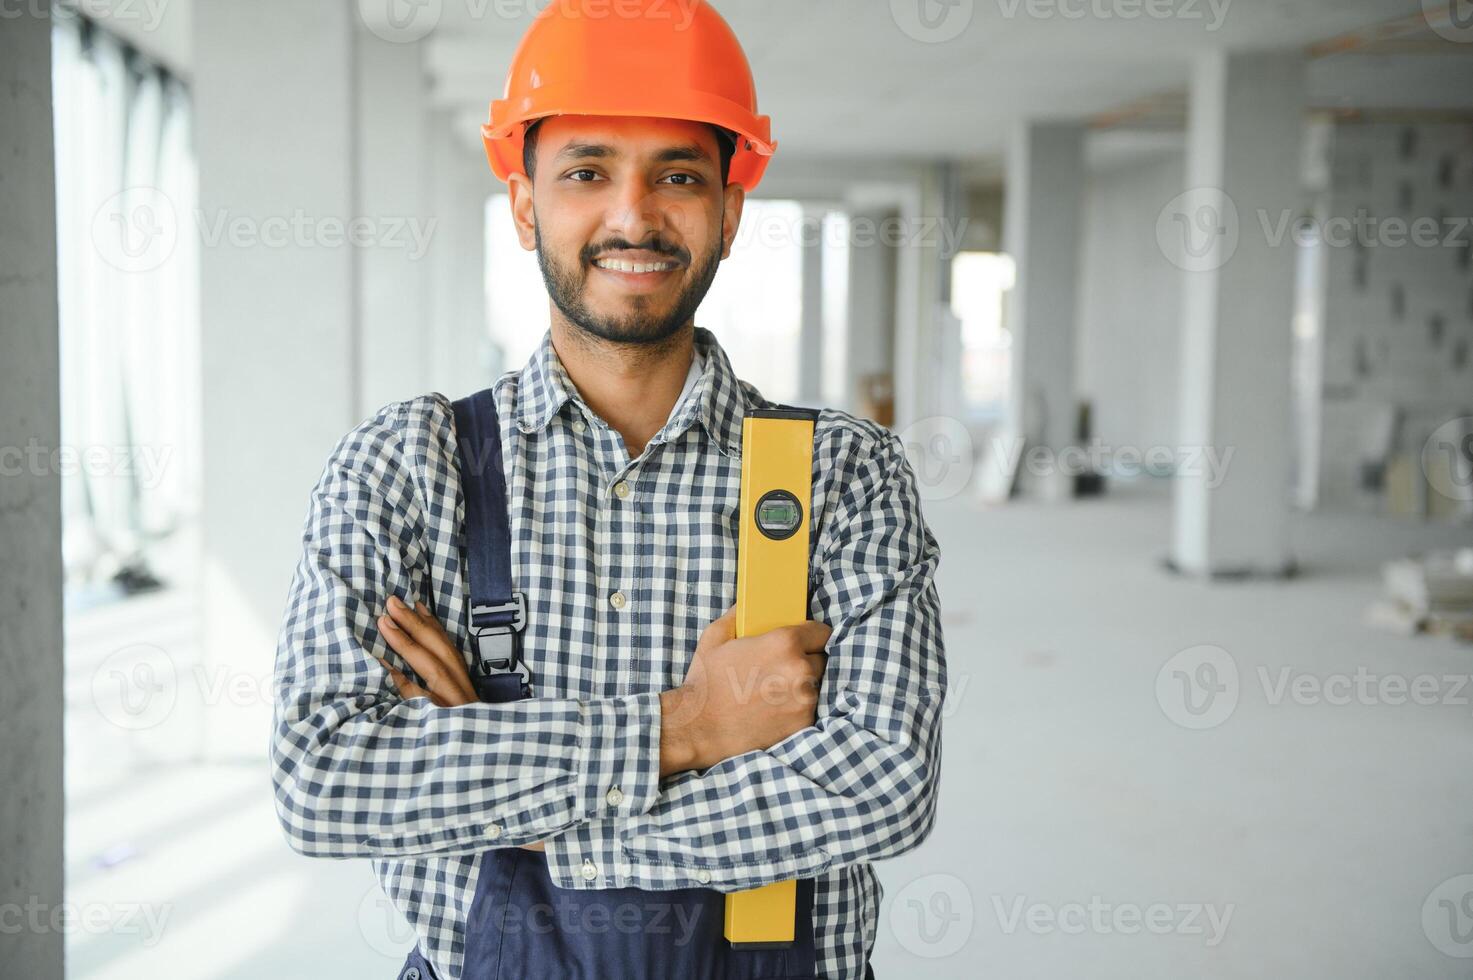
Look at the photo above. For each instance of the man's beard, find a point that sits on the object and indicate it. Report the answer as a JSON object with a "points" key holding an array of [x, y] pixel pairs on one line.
{"points": [[640, 326]]}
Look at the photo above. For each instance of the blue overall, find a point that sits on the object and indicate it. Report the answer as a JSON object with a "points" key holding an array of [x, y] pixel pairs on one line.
{"points": [[521, 926]]}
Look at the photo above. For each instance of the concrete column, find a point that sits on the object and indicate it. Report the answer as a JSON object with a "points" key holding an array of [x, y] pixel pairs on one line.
{"points": [[810, 342], [873, 270], [278, 299], [1041, 231], [393, 206], [464, 358], [1243, 150], [1043, 207], [928, 220], [31, 805]]}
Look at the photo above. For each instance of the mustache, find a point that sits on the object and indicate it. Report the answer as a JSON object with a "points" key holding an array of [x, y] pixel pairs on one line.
{"points": [[657, 245]]}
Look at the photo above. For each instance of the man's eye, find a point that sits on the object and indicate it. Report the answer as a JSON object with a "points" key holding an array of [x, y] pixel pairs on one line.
{"points": [[574, 175], [687, 179]]}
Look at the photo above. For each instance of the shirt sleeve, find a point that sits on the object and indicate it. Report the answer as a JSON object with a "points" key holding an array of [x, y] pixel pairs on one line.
{"points": [[360, 772], [860, 784]]}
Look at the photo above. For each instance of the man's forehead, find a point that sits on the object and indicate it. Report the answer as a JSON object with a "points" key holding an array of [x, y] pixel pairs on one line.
{"points": [[624, 135]]}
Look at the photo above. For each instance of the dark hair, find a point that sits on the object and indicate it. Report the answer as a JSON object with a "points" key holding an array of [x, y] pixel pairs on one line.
{"points": [[725, 139]]}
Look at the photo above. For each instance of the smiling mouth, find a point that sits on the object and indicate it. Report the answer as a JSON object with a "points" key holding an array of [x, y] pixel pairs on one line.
{"points": [[636, 268]]}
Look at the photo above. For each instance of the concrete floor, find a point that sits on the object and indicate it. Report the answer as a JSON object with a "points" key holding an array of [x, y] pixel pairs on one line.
{"points": [[1099, 817]]}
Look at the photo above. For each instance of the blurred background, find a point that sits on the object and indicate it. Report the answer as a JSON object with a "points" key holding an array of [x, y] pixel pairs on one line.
{"points": [[1170, 300]]}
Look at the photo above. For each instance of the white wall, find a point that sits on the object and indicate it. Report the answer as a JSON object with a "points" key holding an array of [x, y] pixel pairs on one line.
{"points": [[1130, 305], [282, 379]]}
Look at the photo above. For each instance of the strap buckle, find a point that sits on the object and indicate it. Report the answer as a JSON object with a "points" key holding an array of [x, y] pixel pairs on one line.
{"points": [[499, 647], [516, 605]]}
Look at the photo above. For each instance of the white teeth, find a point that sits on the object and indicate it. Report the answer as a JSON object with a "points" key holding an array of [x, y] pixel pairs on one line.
{"points": [[618, 266]]}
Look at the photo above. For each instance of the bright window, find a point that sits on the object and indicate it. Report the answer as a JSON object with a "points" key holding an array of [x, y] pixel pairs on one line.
{"points": [[980, 285]]}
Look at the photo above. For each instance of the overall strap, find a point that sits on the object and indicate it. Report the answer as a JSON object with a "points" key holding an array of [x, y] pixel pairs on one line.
{"points": [[497, 612]]}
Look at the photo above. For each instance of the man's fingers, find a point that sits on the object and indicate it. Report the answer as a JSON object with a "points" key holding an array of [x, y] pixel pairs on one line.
{"points": [[407, 688], [421, 610], [438, 674], [417, 622], [422, 626], [720, 630], [812, 635]]}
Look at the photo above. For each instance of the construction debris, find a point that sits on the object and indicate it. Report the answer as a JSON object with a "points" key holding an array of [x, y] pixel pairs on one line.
{"points": [[1430, 593]]}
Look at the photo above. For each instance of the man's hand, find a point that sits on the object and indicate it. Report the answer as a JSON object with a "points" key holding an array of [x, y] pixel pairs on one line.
{"points": [[417, 636], [742, 695]]}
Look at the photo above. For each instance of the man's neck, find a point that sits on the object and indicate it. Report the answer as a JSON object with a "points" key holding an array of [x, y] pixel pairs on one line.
{"points": [[633, 387]]}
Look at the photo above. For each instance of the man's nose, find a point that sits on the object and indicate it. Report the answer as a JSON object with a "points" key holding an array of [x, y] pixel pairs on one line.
{"points": [[636, 213]]}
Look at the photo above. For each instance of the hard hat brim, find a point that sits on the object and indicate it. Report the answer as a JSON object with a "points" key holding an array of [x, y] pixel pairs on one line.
{"points": [[503, 135]]}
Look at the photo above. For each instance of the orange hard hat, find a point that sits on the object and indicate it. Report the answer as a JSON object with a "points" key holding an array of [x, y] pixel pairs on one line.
{"points": [[672, 59]]}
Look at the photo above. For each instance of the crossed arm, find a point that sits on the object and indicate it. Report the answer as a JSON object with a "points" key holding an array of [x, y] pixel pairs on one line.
{"points": [[367, 763]]}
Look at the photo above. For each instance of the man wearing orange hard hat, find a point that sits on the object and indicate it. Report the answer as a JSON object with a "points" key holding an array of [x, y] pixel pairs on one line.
{"points": [[509, 673]]}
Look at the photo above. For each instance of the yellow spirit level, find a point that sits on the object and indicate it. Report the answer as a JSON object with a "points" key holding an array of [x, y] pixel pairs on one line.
{"points": [[772, 591]]}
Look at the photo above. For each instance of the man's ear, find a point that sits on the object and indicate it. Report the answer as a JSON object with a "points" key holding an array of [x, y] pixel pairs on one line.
{"points": [[519, 187], [731, 215]]}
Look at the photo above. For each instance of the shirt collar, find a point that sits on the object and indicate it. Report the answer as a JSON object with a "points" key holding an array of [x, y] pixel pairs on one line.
{"points": [[717, 398]]}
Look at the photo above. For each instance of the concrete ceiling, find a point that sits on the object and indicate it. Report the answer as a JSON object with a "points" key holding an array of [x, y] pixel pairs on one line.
{"points": [[843, 77], [855, 78]]}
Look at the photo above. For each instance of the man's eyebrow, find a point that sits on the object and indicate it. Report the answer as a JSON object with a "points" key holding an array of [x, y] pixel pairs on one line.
{"points": [[692, 152], [577, 151]]}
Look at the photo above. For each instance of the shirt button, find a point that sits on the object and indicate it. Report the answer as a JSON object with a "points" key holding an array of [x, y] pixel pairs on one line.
{"points": [[493, 830], [703, 876], [615, 796], [590, 872], [621, 489], [579, 427], [617, 600]]}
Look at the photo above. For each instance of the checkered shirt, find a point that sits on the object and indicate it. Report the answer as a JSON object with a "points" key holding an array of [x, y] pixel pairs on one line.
{"points": [[423, 790]]}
